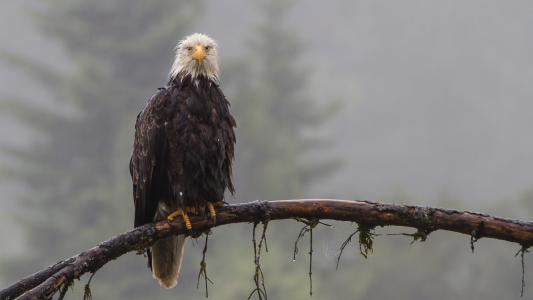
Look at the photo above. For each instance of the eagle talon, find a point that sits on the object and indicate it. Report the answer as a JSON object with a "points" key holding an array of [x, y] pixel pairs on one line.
{"points": [[212, 211], [183, 214]]}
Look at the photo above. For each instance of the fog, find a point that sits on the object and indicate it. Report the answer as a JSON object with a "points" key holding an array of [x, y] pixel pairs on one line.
{"points": [[435, 99], [437, 96]]}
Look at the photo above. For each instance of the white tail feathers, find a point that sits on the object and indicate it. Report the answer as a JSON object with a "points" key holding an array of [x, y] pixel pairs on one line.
{"points": [[167, 255]]}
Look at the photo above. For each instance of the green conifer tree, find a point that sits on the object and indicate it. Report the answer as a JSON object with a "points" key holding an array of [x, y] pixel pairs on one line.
{"points": [[274, 109], [267, 89], [77, 174]]}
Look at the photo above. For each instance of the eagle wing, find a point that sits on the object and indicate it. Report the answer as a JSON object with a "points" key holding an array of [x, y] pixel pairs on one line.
{"points": [[147, 164]]}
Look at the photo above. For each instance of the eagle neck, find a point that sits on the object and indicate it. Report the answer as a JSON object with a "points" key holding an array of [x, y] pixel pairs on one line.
{"points": [[184, 79]]}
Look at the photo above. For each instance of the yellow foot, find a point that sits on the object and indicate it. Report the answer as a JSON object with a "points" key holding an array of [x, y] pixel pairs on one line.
{"points": [[183, 214]]}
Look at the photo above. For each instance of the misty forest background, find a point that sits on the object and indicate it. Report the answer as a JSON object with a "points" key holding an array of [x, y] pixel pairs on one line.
{"points": [[410, 102]]}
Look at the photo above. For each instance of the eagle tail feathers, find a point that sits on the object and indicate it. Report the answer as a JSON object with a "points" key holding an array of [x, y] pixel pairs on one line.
{"points": [[167, 255]]}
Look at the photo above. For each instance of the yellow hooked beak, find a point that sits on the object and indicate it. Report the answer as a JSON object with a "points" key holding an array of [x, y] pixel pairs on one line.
{"points": [[198, 54]]}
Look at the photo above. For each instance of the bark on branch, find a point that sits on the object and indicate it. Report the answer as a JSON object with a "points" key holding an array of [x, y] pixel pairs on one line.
{"points": [[370, 214]]}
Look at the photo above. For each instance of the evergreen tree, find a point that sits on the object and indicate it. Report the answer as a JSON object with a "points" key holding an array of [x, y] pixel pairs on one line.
{"points": [[77, 174], [273, 109], [267, 88]]}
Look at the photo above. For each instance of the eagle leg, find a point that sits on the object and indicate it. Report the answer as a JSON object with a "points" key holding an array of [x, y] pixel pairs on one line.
{"points": [[183, 214]]}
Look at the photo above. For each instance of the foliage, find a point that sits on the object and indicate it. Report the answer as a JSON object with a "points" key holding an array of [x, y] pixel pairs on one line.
{"points": [[270, 99], [77, 174], [120, 52]]}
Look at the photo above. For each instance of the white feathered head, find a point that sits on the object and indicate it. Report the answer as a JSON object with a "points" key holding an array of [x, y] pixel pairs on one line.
{"points": [[196, 55]]}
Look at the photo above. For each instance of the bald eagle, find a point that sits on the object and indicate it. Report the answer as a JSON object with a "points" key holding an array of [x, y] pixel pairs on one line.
{"points": [[183, 150]]}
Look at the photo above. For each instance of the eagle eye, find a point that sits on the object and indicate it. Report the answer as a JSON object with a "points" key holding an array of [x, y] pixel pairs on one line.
{"points": [[189, 48], [207, 48]]}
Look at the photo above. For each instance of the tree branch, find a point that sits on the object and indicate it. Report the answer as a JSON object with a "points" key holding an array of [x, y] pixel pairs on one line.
{"points": [[426, 219]]}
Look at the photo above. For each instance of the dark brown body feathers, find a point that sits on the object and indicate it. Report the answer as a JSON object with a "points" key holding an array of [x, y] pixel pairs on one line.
{"points": [[183, 148]]}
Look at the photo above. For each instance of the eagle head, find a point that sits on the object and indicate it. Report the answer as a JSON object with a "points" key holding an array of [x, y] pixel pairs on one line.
{"points": [[196, 55]]}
